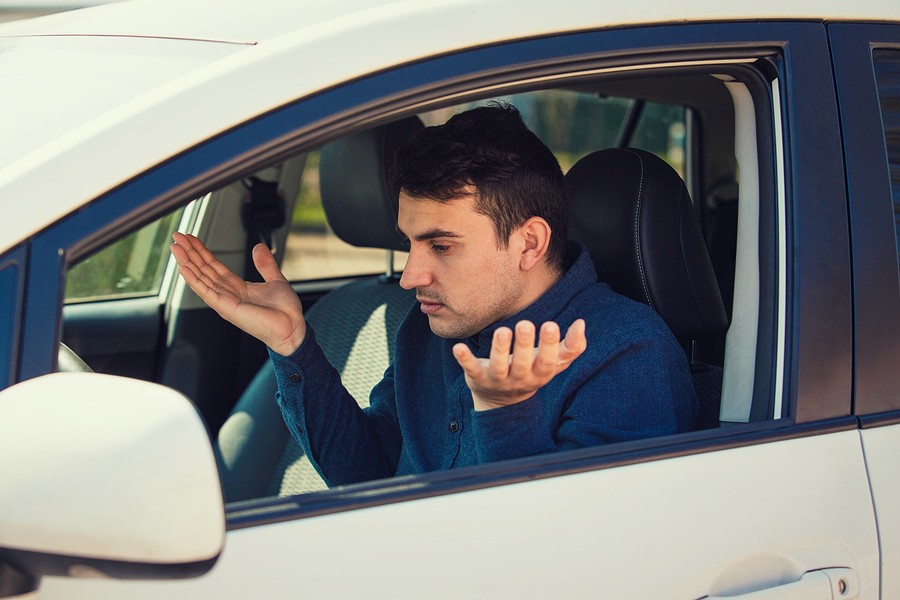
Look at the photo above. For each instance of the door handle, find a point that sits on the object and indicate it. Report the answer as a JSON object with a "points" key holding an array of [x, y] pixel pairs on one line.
{"points": [[825, 584]]}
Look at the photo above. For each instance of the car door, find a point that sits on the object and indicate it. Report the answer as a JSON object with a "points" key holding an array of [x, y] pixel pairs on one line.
{"points": [[777, 501], [126, 315], [867, 69]]}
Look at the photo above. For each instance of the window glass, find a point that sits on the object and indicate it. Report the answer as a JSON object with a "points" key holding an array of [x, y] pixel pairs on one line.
{"points": [[572, 124], [887, 76], [132, 266], [313, 251], [661, 130]]}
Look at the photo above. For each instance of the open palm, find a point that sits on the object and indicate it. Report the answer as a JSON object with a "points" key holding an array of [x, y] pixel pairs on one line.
{"points": [[269, 311]]}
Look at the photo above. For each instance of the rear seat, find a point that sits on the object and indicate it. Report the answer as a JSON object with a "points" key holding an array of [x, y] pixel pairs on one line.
{"points": [[355, 324]]}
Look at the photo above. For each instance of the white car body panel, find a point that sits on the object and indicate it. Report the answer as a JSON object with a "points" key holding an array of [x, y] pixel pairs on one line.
{"points": [[81, 465], [714, 534], [713, 523], [882, 448], [391, 33]]}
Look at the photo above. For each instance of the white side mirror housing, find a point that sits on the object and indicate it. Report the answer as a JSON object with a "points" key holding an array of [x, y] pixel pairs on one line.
{"points": [[105, 476]]}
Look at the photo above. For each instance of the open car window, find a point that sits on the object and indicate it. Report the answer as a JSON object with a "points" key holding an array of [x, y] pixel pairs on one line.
{"points": [[571, 123], [711, 123]]}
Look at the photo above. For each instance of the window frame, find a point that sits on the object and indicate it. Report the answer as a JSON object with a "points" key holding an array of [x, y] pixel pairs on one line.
{"points": [[13, 268], [816, 404]]}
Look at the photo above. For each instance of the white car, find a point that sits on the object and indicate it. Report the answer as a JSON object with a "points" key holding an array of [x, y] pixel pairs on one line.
{"points": [[272, 120]]}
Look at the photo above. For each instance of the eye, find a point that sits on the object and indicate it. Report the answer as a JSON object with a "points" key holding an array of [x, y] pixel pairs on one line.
{"points": [[439, 248]]}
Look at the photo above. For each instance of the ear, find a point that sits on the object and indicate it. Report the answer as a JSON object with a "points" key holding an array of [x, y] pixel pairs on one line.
{"points": [[534, 235]]}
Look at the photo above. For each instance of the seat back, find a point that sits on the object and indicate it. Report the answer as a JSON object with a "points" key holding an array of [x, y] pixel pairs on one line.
{"points": [[355, 324], [633, 212]]}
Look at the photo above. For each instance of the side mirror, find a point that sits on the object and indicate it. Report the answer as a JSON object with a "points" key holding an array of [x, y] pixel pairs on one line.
{"points": [[104, 476]]}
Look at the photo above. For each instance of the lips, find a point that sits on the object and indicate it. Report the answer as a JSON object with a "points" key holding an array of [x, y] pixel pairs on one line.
{"points": [[429, 307]]}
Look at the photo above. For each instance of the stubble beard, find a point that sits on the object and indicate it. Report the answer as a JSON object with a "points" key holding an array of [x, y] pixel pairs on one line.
{"points": [[460, 324]]}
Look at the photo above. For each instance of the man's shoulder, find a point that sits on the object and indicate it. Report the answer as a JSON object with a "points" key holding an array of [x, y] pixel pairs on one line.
{"points": [[616, 317], [600, 298]]}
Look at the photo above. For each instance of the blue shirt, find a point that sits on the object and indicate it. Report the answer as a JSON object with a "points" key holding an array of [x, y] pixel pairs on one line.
{"points": [[632, 382]]}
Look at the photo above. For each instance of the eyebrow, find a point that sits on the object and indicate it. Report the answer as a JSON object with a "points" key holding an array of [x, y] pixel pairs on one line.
{"points": [[433, 234]]}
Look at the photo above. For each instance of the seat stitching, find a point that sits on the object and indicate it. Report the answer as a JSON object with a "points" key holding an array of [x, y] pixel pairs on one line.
{"points": [[637, 243]]}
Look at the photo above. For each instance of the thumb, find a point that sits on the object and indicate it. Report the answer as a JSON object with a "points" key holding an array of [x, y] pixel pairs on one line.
{"points": [[266, 265]]}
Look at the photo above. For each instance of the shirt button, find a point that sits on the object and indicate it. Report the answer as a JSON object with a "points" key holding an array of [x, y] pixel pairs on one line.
{"points": [[295, 377], [454, 426]]}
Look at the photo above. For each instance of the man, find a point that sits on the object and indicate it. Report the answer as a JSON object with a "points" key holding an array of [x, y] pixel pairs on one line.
{"points": [[481, 202]]}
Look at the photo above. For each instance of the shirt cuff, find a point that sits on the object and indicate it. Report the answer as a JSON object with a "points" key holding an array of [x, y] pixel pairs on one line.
{"points": [[512, 431], [291, 374]]}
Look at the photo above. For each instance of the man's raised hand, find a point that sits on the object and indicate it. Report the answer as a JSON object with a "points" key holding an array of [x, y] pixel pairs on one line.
{"points": [[269, 311], [514, 372]]}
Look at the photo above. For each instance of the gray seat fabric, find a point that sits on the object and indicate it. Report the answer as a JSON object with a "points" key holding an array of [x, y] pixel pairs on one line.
{"points": [[367, 314], [355, 324]]}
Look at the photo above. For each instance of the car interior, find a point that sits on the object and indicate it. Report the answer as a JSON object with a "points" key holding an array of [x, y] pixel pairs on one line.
{"points": [[669, 174]]}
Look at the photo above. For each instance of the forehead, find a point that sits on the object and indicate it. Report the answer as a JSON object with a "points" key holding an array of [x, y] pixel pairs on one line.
{"points": [[416, 215]]}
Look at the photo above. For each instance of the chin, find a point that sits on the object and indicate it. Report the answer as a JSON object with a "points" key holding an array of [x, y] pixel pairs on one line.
{"points": [[452, 331]]}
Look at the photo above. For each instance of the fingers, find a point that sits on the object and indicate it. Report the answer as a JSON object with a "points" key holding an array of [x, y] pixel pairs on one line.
{"points": [[499, 359], [204, 273], [515, 369], [266, 265], [190, 251], [575, 343], [517, 358], [523, 351], [467, 360], [548, 351], [192, 273]]}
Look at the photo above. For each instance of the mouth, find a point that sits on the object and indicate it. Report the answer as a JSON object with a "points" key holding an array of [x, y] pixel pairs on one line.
{"points": [[429, 307]]}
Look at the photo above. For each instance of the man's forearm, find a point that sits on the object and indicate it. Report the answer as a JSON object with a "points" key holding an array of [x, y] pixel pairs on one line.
{"points": [[339, 437]]}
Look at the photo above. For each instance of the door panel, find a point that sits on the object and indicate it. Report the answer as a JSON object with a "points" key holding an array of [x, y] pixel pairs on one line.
{"points": [[867, 63], [720, 523], [873, 211], [118, 337], [882, 447]]}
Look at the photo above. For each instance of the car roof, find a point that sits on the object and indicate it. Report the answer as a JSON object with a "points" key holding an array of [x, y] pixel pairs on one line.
{"points": [[100, 94]]}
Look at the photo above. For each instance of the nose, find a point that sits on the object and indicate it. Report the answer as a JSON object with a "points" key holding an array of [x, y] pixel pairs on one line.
{"points": [[416, 272]]}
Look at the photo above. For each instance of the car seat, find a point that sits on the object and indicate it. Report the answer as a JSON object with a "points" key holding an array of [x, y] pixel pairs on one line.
{"points": [[355, 324], [633, 212]]}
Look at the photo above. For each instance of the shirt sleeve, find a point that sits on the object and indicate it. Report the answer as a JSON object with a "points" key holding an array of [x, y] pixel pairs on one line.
{"points": [[638, 390], [345, 443], [512, 431]]}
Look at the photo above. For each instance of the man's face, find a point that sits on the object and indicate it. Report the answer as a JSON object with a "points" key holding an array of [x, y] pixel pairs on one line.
{"points": [[463, 281]]}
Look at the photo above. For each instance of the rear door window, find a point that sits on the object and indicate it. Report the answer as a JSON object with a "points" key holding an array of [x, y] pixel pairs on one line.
{"points": [[887, 76]]}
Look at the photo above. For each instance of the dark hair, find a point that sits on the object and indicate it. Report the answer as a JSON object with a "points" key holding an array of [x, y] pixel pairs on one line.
{"points": [[514, 174]]}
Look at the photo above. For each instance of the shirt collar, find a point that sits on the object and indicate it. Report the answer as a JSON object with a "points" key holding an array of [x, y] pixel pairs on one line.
{"points": [[578, 276]]}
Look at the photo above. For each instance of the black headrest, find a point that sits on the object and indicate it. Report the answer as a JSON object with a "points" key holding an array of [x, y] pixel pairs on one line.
{"points": [[354, 179], [634, 213]]}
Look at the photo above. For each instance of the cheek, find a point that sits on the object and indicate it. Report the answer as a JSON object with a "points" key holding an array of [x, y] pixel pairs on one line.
{"points": [[474, 280], [492, 275]]}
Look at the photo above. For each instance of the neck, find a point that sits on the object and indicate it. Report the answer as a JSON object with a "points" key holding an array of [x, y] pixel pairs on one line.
{"points": [[535, 284]]}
